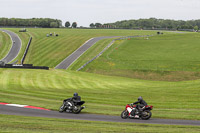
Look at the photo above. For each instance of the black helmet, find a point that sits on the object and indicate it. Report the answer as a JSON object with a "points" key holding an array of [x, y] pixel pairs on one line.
{"points": [[140, 98], [75, 94]]}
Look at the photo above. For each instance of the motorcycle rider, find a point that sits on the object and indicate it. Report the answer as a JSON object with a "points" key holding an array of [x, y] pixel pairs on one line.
{"points": [[73, 100], [139, 107], [141, 104]]}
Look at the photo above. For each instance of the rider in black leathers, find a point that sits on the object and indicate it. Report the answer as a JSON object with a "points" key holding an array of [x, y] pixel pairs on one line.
{"points": [[140, 103], [72, 101]]}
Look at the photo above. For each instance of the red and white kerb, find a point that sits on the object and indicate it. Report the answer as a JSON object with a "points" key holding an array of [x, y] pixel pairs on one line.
{"points": [[23, 106]]}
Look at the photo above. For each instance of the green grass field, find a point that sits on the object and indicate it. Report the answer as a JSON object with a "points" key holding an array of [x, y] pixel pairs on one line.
{"points": [[165, 57], [103, 94], [50, 51], [45, 125], [5, 44]]}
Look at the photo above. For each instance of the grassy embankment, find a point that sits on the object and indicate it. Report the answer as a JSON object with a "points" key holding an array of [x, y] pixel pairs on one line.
{"points": [[103, 94], [50, 51], [97, 48], [45, 125], [171, 57], [5, 44]]}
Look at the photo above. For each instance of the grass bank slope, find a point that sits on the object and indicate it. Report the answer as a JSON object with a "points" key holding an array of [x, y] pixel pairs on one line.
{"points": [[50, 51], [103, 94], [5, 44], [167, 57]]}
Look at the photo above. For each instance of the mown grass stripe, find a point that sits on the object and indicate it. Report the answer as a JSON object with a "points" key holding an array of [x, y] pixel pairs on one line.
{"points": [[5, 44]]}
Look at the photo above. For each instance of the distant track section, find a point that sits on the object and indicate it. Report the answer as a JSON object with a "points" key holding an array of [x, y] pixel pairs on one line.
{"points": [[76, 54], [15, 49]]}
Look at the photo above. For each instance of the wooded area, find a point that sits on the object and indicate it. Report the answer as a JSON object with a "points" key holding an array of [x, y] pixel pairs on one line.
{"points": [[151, 23], [32, 22]]}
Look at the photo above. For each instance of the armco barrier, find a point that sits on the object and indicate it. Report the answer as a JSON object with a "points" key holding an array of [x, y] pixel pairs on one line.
{"points": [[25, 53], [24, 66], [108, 47]]}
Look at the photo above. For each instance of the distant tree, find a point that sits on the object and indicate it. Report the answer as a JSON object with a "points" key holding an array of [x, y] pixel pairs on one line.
{"points": [[54, 25], [67, 24], [74, 25], [196, 28], [59, 23], [98, 25], [92, 25]]}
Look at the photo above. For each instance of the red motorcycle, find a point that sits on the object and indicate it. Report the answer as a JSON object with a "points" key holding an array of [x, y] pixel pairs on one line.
{"points": [[144, 113]]}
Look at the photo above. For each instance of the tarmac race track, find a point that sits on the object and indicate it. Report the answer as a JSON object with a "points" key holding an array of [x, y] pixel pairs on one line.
{"points": [[16, 46], [75, 55], [10, 110]]}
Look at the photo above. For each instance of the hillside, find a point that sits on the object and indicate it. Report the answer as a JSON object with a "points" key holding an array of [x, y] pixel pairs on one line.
{"points": [[171, 57], [50, 51]]}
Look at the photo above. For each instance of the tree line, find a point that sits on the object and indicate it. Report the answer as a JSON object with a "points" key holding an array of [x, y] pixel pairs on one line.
{"points": [[151, 23], [33, 22]]}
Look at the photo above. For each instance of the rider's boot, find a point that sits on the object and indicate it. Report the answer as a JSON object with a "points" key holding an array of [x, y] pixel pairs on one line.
{"points": [[137, 116], [132, 113]]}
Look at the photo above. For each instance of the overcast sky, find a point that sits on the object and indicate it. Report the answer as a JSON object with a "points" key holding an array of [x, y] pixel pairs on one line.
{"points": [[85, 12]]}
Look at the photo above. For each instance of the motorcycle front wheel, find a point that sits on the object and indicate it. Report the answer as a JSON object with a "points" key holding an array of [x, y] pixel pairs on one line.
{"points": [[124, 114], [146, 115], [76, 109]]}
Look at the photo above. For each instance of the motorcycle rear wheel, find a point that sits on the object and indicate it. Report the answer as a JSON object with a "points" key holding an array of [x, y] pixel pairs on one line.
{"points": [[77, 109], [146, 115], [124, 114]]}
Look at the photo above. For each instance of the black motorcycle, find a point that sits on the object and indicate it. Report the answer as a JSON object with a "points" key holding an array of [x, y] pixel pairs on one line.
{"points": [[70, 107]]}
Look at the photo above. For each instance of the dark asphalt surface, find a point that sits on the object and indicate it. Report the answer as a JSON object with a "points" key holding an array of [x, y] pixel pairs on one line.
{"points": [[9, 110], [14, 51], [75, 55]]}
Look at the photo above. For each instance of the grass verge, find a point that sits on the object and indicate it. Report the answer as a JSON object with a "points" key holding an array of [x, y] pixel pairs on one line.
{"points": [[45, 125], [5, 44]]}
